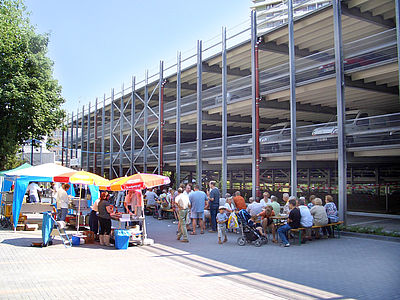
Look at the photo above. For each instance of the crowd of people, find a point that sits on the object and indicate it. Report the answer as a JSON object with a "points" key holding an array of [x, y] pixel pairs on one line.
{"points": [[194, 209]]}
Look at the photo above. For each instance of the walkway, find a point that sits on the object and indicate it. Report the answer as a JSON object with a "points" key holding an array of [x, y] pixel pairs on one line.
{"points": [[326, 269]]}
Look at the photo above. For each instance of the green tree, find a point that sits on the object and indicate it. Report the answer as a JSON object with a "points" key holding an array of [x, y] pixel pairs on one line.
{"points": [[30, 98]]}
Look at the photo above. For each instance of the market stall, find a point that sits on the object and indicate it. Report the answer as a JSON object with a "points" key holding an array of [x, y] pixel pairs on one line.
{"points": [[138, 182], [22, 177], [93, 181]]}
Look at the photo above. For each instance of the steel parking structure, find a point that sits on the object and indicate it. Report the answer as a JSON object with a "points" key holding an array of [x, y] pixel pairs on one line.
{"points": [[264, 110]]}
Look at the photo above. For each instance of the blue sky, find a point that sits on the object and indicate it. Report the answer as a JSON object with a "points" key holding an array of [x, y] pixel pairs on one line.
{"points": [[97, 45]]}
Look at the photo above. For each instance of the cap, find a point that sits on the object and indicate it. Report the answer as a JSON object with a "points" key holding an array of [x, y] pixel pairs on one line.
{"points": [[221, 207]]}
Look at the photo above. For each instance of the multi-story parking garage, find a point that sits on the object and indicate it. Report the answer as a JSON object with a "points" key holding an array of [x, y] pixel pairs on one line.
{"points": [[257, 111]]}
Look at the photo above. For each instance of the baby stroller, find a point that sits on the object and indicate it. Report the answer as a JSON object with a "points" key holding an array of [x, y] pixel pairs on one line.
{"points": [[249, 231]]}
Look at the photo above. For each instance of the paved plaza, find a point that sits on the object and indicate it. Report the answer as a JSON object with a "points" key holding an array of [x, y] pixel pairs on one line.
{"points": [[327, 269]]}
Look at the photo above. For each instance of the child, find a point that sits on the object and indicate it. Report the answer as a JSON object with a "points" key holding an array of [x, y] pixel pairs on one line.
{"points": [[222, 218]]}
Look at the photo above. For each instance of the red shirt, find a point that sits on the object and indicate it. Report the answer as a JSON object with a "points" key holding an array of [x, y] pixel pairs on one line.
{"points": [[239, 202]]}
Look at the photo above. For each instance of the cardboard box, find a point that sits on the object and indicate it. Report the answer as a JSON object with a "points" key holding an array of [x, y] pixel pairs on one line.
{"points": [[31, 227]]}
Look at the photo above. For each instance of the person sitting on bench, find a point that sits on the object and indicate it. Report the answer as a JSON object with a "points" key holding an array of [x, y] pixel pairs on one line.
{"points": [[331, 212], [293, 222], [319, 214]]}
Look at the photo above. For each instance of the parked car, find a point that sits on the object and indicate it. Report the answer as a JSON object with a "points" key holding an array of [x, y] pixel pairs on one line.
{"points": [[277, 138], [327, 133]]}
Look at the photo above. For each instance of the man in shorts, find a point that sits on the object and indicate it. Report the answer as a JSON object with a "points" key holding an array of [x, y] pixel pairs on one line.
{"points": [[197, 200]]}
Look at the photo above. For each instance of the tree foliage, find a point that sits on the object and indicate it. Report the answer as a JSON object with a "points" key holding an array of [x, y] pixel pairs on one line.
{"points": [[30, 98]]}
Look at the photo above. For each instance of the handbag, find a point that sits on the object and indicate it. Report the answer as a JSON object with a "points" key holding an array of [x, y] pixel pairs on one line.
{"points": [[233, 221]]}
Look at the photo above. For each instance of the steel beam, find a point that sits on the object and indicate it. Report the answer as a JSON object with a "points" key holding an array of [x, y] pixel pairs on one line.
{"points": [[121, 134], [178, 121], [133, 99], [199, 131], [284, 49], [293, 125], [95, 138], [216, 69], [371, 86], [367, 16], [285, 105], [88, 140], [398, 40], [82, 129], [145, 133], [111, 173], [186, 86], [255, 95], [341, 115], [161, 119], [224, 167], [103, 134]]}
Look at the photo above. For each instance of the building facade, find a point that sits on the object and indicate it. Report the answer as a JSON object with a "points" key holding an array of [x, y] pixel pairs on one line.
{"points": [[229, 116]]}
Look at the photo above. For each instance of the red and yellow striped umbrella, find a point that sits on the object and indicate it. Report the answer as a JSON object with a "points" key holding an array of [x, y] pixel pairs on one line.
{"points": [[82, 177], [138, 182]]}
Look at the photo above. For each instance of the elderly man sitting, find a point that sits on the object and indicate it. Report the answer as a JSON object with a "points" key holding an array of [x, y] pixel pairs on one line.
{"points": [[254, 208], [306, 219]]}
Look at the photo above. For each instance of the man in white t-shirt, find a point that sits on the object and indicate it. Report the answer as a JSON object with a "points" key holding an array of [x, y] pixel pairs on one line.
{"points": [[306, 218], [33, 189], [183, 203]]}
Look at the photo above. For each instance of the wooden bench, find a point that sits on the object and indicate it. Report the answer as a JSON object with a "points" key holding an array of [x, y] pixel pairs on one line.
{"points": [[333, 225], [169, 213]]}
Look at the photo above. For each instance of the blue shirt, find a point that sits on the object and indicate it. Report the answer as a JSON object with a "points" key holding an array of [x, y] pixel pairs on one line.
{"points": [[214, 194], [197, 201], [151, 198], [222, 217]]}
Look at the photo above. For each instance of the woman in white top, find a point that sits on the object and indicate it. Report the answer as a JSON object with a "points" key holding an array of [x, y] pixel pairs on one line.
{"points": [[62, 201], [229, 206]]}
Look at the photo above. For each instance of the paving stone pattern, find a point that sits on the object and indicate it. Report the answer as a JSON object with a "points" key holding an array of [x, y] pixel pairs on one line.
{"points": [[326, 269]]}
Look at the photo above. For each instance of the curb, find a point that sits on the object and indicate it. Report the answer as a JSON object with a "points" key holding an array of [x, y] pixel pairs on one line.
{"points": [[371, 236]]}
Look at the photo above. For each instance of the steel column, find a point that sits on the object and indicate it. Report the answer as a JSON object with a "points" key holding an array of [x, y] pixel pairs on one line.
{"points": [[178, 120], [341, 117], [293, 128], [161, 119], [133, 106], [199, 137], [121, 134], [72, 135], [103, 134], [145, 133], [76, 133], [255, 124], [62, 149], [398, 38], [224, 166], [111, 176], [66, 146], [95, 138], [88, 140], [82, 128]]}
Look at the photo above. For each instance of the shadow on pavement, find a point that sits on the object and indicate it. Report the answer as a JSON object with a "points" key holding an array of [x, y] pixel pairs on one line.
{"points": [[324, 269]]}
